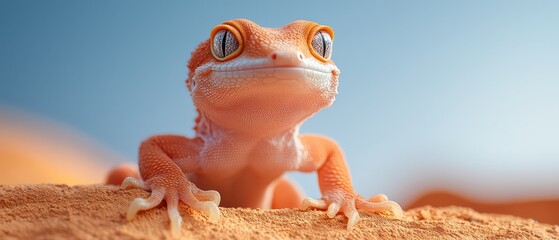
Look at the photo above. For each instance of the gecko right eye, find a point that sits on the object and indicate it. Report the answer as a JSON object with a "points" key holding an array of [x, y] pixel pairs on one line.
{"points": [[320, 42], [225, 43]]}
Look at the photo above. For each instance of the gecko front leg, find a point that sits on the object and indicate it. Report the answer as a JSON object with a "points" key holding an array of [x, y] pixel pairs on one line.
{"points": [[338, 194], [163, 161]]}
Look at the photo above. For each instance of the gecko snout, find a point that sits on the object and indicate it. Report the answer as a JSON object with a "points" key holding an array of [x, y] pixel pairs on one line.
{"points": [[286, 58]]}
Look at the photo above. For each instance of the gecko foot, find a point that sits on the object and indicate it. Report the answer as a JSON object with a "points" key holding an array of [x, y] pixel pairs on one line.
{"points": [[173, 192], [348, 204]]}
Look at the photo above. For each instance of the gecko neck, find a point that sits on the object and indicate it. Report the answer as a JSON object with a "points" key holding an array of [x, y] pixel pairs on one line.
{"points": [[206, 128]]}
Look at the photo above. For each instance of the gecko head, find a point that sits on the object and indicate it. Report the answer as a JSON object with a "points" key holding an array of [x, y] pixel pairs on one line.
{"points": [[248, 76]]}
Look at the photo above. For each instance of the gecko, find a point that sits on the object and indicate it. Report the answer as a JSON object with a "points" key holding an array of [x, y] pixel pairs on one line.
{"points": [[253, 87]]}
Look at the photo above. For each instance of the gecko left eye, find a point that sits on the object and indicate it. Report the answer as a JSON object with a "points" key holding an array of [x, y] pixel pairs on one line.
{"points": [[321, 44], [225, 43]]}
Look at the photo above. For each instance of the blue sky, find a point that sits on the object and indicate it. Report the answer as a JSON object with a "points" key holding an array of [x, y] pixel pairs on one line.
{"points": [[432, 93]]}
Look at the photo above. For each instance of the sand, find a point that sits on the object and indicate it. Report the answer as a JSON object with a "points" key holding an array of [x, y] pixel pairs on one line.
{"points": [[98, 211], [543, 210]]}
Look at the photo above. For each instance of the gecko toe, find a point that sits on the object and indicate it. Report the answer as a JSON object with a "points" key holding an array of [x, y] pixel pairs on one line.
{"points": [[135, 183], [209, 195], [351, 213], [175, 218], [313, 203], [353, 218], [333, 209], [208, 207], [140, 204], [386, 206], [135, 207]]}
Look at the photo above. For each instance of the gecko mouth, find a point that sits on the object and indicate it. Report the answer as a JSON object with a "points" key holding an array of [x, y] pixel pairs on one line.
{"points": [[269, 68], [274, 73]]}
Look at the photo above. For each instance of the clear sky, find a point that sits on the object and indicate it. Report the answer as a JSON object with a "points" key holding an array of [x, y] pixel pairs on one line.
{"points": [[432, 93]]}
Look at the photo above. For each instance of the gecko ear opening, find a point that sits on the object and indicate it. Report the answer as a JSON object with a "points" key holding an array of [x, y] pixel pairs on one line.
{"points": [[226, 42], [320, 41]]}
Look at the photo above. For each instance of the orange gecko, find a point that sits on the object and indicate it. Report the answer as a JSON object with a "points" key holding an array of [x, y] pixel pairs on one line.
{"points": [[253, 87]]}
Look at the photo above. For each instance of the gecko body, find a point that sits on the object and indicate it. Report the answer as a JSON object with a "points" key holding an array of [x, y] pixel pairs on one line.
{"points": [[253, 87]]}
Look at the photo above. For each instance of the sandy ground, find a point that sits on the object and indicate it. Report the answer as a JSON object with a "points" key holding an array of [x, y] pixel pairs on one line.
{"points": [[543, 210], [97, 211]]}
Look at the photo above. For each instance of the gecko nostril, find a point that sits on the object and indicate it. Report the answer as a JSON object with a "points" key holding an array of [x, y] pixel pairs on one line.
{"points": [[274, 56], [300, 56]]}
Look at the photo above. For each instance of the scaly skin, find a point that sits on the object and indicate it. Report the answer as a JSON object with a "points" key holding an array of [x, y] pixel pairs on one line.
{"points": [[251, 104]]}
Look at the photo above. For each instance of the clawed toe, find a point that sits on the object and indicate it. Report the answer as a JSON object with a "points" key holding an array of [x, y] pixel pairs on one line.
{"points": [[140, 204], [135, 183], [313, 203], [175, 218], [352, 219], [333, 209], [208, 207], [386, 206], [210, 195]]}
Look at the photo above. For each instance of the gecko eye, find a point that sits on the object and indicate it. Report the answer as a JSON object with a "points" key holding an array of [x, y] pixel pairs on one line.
{"points": [[225, 43], [321, 44]]}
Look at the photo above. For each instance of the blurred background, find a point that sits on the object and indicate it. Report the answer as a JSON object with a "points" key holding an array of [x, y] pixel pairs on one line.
{"points": [[433, 96]]}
